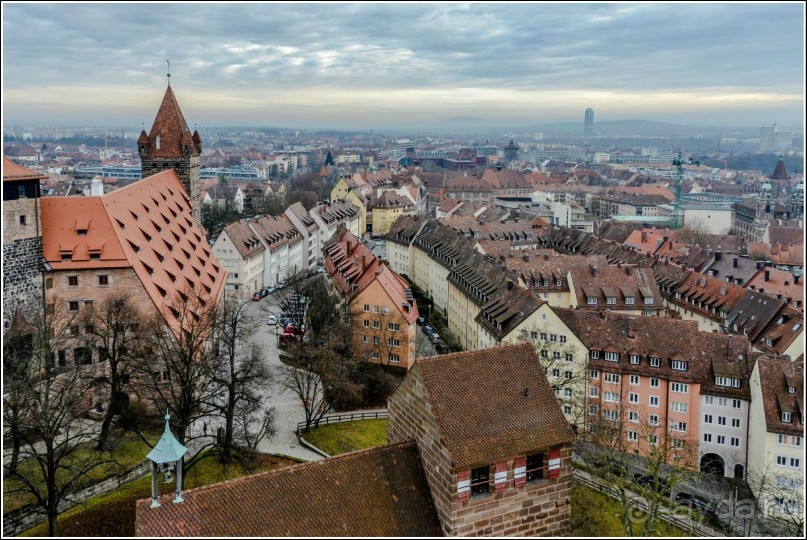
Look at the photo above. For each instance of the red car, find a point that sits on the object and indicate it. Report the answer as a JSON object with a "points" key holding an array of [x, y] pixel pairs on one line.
{"points": [[287, 338], [256, 297]]}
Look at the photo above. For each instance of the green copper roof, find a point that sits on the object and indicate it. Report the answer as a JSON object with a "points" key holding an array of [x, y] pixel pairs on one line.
{"points": [[168, 448]]}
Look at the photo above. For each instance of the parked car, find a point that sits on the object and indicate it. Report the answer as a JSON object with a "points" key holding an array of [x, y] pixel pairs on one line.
{"points": [[256, 297], [651, 483], [428, 330], [271, 320], [287, 338], [435, 337], [264, 292], [699, 504], [421, 321], [319, 270]]}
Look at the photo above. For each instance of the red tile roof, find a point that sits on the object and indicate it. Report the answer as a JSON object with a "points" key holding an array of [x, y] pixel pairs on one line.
{"points": [[13, 172], [479, 402], [171, 127], [776, 375], [779, 283], [151, 223], [370, 493]]}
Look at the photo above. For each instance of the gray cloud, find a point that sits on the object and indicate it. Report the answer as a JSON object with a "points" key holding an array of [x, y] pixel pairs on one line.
{"points": [[312, 56]]}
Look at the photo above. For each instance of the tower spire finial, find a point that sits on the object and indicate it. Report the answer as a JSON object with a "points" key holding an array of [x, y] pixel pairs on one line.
{"points": [[169, 72]]}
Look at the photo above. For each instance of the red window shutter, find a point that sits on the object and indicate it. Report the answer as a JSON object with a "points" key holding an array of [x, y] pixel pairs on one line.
{"points": [[520, 472], [554, 463], [500, 479], [463, 485]]}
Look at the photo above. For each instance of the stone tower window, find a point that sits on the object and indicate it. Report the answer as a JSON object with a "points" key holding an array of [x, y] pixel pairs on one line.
{"points": [[22, 219], [480, 481], [157, 142]]}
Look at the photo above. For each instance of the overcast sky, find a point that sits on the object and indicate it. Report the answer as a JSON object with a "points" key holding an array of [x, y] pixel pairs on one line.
{"points": [[372, 65]]}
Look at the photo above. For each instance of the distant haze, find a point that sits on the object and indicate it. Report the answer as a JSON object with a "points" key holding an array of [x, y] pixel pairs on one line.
{"points": [[358, 66]]}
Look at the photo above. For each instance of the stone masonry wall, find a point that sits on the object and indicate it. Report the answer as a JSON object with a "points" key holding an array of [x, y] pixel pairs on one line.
{"points": [[539, 508], [187, 169], [22, 278], [411, 418], [89, 292]]}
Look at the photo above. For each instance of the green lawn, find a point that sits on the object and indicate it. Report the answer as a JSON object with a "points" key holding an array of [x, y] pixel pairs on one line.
{"points": [[349, 436], [595, 514], [113, 514], [129, 450]]}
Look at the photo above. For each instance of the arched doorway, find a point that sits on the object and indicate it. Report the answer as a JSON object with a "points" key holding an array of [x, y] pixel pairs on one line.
{"points": [[739, 471], [713, 464]]}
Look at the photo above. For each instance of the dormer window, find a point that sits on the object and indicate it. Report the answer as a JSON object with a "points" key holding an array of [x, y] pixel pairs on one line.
{"points": [[655, 362], [592, 301], [610, 300], [480, 481], [81, 232], [791, 390], [727, 381], [648, 300], [630, 300], [678, 365], [612, 356], [634, 359], [786, 417]]}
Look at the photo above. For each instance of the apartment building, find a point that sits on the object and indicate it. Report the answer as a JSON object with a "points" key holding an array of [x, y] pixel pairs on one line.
{"points": [[628, 290], [241, 253]]}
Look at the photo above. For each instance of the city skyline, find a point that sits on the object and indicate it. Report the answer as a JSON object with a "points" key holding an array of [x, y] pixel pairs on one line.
{"points": [[354, 66]]}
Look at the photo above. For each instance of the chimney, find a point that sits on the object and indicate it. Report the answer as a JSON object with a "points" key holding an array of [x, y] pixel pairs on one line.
{"points": [[363, 262], [666, 234], [759, 265], [644, 237], [718, 255], [767, 274], [796, 279], [593, 268], [736, 260], [787, 284], [526, 258], [509, 284]]}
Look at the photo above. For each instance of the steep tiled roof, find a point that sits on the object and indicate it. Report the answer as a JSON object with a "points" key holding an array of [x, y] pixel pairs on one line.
{"points": [[404, 229], [371, 493], [505, 312], [244, 239], [618, 283], [752, 313], [489, 386], [776, 376], [778, 234], [77, 233], [276, 231], [707, 295], [172, 129], [786, 328], [778, 253], [779, 283], [13, 172], [662, 338]]}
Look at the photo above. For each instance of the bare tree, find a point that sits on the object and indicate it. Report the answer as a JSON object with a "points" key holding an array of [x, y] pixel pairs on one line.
{"points": [[112, 330], [780, 499], [693, 233], [178, 377], [17, 370], [51, 464], [303, 376], [239, 375]]}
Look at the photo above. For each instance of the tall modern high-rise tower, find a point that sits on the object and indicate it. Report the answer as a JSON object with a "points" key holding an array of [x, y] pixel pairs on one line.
{"points": [[588, 131]]}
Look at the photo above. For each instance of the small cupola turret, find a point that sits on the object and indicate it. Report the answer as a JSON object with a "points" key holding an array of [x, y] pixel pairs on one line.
{"points": [[165, 457]]}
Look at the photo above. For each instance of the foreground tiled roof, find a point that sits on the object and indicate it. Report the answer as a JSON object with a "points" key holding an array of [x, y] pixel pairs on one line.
{"points": [[13, 172], [478, 400], [378, 492], [776, 376]]}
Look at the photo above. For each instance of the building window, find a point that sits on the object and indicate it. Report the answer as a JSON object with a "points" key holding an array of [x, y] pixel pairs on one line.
{"points": [[595, 354], [652, 439], [48, 283], [72, 305], [593, 410], [707, 418], [594, 374], [648, 300], [535, 467], [103, 280], [707, 437], [678, 365], [612, 397], [721, 439], [567, 374], [735, 442], [366, 308], [72, 281], [634, 359], [681, 388], [593, 391], [376, 325], [677, 406], [634, 379], [553, 338], [633, 436], [633, 397], [612, 356], [567, 392], [781, 461], [710, 400], [633, 416], [569, 357], [366, 323], [394, 358], [655, 362], [592, 301], [611, 377], [610, 301], [480, 481], [786, 417], [567, 409], [630, 300], [648, 312], [654, 401], [22, 219], [736, 404], [721, 420], [375, 309], [678, 426], [652, 419], [563, 339]]}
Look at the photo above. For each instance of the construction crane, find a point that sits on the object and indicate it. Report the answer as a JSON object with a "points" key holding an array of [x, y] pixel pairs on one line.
{"points": [[679, 163]]}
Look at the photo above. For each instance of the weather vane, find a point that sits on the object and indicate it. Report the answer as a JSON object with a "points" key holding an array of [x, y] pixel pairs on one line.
{"points": [[169, 72]]}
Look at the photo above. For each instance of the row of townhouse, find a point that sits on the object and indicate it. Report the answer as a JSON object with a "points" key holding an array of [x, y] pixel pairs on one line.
{"points": [[766, 305], [265, 251], [380, 302]]}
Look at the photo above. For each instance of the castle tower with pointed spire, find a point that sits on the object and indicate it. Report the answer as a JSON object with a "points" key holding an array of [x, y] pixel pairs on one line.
{"points": [[170, 145]]}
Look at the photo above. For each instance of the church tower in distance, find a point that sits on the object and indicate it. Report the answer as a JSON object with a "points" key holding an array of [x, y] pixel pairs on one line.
{"points": [[170, 145]]}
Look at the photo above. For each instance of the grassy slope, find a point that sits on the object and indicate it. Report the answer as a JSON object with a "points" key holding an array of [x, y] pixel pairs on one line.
{"points": [[349, 436]]}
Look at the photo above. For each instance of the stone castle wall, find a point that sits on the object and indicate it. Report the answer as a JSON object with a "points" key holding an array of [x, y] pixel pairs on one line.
{"points": [[187, 169], [22, 278]]}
